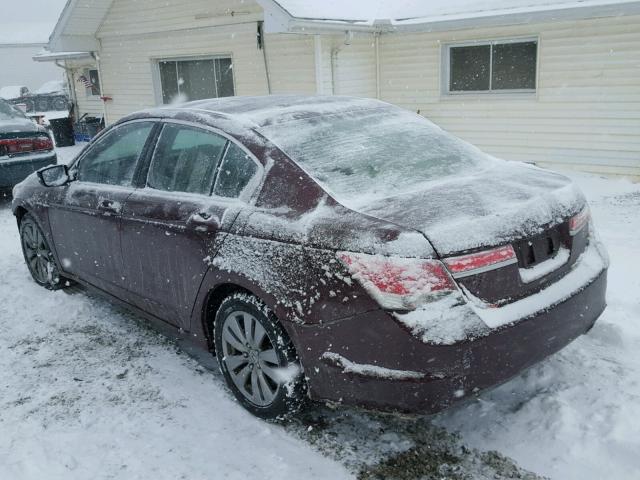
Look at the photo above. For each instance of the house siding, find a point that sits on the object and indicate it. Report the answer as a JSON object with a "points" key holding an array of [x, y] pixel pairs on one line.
{"points": [[133, 40], [291, 63], [586, 110]]}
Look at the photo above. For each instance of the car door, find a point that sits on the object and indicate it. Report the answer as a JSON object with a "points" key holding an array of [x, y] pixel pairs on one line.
{"points": [[85, 219], [172, 227]]}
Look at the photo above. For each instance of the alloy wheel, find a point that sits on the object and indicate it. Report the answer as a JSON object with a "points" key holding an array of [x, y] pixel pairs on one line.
{"points": [[37, 254], [250, 358]]}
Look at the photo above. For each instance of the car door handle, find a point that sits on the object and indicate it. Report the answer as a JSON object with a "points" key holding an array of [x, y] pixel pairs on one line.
{"points": [[204, 222], [109, 206]]}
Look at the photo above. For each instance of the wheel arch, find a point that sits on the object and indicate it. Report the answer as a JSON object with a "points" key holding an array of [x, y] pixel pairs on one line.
{"points": [[20, 211], [216, 292]]}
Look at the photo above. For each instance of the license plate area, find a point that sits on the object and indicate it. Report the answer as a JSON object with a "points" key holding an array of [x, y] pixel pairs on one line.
{"points": [[538, 249]]}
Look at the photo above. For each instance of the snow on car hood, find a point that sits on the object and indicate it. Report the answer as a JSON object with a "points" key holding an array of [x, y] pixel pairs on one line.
{"points": [[490, 207]]}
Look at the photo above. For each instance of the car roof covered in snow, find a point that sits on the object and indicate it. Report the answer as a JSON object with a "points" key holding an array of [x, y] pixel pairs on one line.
{"points": [[259, 111]]}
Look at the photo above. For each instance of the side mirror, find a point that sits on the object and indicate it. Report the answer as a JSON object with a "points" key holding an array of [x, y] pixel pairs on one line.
{"points": [[54, 176]]}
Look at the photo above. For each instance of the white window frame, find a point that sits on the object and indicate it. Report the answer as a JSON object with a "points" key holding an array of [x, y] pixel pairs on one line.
{"points": [[446, 67], [89, 91], [155, 71]]}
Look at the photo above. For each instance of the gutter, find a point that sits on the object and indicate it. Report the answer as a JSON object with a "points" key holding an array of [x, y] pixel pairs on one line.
{"points": [[504, 17]]}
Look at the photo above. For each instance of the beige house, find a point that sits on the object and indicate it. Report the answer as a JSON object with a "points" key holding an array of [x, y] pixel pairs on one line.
{"points": [[555, 83]]}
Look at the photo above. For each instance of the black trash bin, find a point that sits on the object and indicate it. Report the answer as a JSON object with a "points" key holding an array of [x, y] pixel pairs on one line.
{"points": [[62, 129]]}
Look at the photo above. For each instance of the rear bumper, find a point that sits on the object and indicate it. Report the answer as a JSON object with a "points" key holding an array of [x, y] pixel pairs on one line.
{"points": [[15, 169], [449, 372]]}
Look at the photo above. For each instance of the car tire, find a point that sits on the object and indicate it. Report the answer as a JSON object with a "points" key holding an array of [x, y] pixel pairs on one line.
{"points": [[257, 358], [38, 255]]}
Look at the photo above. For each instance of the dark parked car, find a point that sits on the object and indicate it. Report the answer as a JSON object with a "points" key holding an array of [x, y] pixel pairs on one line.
{"points": [[24, 146], [334, 248]]}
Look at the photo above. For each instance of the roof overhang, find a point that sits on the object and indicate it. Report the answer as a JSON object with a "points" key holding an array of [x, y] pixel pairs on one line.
{"points": [[55, 56], [279, 19], [75, 30]]}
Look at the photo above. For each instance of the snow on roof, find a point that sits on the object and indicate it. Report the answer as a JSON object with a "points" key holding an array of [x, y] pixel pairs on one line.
{"points": [[279, 108], [398, 12], [46, 56]]}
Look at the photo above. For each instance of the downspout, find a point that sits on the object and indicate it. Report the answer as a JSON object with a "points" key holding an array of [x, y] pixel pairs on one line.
{"points": [[262, 45], [334, 60], [377, 44], [317, 43], [96, 55]]}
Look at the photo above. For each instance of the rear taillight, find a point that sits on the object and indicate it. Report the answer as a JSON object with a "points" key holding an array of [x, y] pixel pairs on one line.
{"points": [[13, 146], [398, 283], [43, 143], [577, 222], [474, 263]]}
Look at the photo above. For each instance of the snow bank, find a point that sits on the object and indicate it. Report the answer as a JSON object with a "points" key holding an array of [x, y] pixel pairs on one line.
{"points": [[87, 391]]}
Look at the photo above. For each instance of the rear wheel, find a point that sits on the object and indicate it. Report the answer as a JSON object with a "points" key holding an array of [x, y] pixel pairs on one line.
{"points": [[257, 358], [38, 255]]}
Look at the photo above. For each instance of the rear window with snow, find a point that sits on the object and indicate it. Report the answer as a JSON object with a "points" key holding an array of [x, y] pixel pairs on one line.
{"points": [[373, 153], [7, 112]]}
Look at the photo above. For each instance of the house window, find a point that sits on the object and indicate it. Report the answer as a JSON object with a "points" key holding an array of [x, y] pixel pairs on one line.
{"points": [[195, 79], [92, 83], [500, 66]]}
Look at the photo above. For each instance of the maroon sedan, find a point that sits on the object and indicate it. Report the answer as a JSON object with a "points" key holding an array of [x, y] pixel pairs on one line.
{"points": [[331, 248]]}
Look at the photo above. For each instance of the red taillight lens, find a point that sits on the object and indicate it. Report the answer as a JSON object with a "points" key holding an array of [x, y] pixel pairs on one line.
{"points": [[14, 146], [43, 143], [475, 263], [577, 222], [398, 283]]}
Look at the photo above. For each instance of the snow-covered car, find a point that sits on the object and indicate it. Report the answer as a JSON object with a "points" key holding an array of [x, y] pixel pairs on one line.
{"points": [[24, 146], [331, 248], [52, 86], [49, 102]]}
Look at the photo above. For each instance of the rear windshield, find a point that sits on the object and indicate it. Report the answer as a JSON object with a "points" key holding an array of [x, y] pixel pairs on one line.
{"points": [[7, 112], [366, 154]]}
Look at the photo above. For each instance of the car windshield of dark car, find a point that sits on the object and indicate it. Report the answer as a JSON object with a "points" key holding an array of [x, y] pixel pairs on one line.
{"points": [[7, 112], [363, 155]]}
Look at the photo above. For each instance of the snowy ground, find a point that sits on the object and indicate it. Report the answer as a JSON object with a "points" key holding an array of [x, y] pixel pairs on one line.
{"points": [[89, 391]]}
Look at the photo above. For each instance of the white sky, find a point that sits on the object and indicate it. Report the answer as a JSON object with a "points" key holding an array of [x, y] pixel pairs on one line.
{"points": [[24, 21]]}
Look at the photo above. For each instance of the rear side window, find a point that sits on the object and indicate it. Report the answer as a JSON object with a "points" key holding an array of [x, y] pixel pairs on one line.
{"points": [[185, 160], [112, 160], [236, 172]]}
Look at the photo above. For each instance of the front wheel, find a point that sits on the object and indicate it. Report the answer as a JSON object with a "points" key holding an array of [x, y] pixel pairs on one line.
{"points": [[38, 255], [257, 358]]}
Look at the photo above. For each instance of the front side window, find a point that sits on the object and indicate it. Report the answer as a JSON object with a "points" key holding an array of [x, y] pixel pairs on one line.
{"points": [[112, 160], [493, 67], [185, 160], [236, 172], [185, 80]]}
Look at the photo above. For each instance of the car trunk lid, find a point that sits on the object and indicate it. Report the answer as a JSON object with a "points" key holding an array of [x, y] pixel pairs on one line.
{"points": [[516, 205]]}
